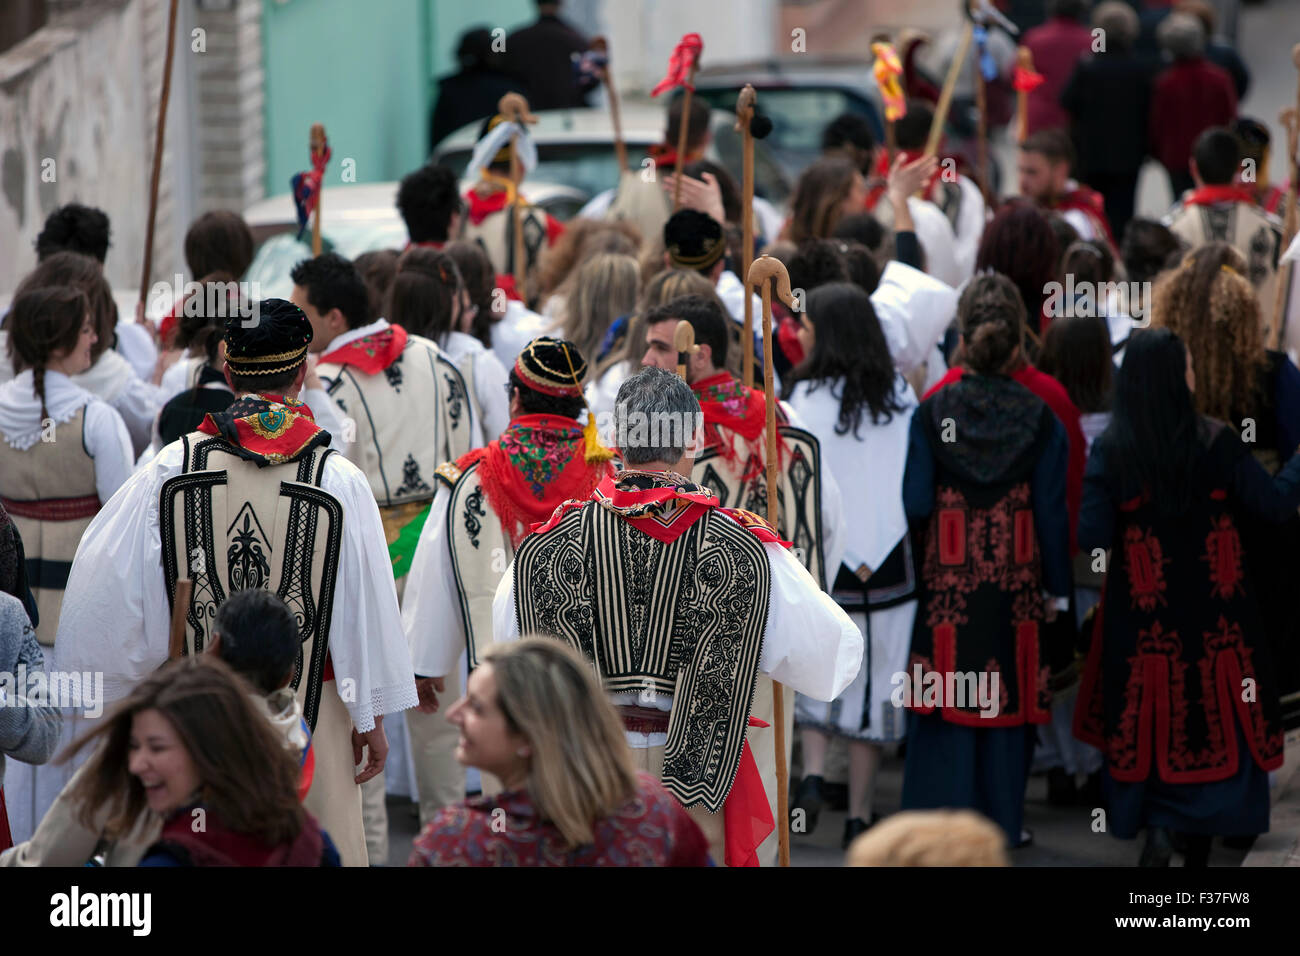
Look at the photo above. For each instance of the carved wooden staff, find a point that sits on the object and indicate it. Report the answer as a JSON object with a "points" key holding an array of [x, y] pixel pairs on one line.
{"points": [[163, 98], [744, 120], [764, 269], [684, 343], [317, 150], [1290, 118], [1024, 72], [180, 609], [515, 109]]}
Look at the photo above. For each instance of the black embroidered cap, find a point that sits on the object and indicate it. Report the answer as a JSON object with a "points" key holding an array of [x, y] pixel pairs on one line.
{"points": [[273, 341], [551, 366], [693, 239]]}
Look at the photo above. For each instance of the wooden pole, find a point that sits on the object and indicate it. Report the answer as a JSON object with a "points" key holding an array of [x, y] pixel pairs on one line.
{"points": [[1290, 119], [744, 116], [681, 141], [1025, 60], [317, 147], [981, 129], [156, 177], [761, 273], [180, 609], [620, 147], [945, 95]]}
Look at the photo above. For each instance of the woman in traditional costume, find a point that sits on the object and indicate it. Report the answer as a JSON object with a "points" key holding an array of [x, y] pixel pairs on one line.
{"points": [[536, 719], [848, 394], [65, 452], [1180, 691], [985, 481]]}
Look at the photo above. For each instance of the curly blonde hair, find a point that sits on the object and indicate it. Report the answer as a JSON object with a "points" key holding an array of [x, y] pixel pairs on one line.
{"points": [[931, 838], [1210, 305]]}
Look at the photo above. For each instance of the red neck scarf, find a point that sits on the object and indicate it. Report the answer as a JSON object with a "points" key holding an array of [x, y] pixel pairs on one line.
{"points": [[371, 354], [266, 429], [1090, 203], [536, 465], [1209, 195], [728, 404], [481, 206]]}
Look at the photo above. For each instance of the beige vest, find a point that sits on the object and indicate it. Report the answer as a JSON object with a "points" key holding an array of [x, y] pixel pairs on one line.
{"points": [[57, 476], [407, 419], [799, 496], [496, 234], [1256, 234], [480, 554]]}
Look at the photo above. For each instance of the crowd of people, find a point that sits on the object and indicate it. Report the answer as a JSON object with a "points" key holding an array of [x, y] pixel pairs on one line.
{"points": [[1035, 465]]}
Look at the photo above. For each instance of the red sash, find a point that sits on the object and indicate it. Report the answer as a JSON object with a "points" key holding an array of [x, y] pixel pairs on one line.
{"points": [[1210, 195], [371, 354]]}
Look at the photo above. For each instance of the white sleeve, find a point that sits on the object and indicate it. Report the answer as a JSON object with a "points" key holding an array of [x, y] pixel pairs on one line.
{"points": [[114, 618], [914, 309], [328, 416], [490, 380], [135, 344], [367, 644], [934, 233], [430, 606], [108, 442], [505, 624], [810, 644], [138, 403], [970, 227]]}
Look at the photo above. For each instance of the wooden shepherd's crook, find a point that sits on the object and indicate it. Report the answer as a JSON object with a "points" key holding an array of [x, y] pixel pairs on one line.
{"points": [[1290, 118], [684, 343], [620, 148], [180, 610], [147, 266], [317, 147], [745, 116], [764, 269]]}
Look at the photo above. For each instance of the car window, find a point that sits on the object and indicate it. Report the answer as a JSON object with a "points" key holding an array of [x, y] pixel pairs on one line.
{"points": [[798, 114], [589, 167]]}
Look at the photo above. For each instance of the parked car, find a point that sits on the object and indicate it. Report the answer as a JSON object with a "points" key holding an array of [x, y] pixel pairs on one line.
{"points": [[801, 96], [356, 218], [576, 147]]}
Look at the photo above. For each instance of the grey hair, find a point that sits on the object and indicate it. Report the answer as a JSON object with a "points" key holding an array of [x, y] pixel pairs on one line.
{"points": [[656, 414], [1182, 35], [1120, 23]]}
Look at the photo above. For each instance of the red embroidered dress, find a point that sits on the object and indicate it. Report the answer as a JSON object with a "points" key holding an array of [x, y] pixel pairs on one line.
{"points": [[1181, 657]]}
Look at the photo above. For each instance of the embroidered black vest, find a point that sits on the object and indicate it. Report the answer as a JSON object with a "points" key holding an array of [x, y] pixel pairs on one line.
{"points": [[684, 618], [227, 524]]}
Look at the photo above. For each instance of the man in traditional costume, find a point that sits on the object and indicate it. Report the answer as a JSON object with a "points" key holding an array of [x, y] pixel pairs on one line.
{"points": [[490, 218], [376, 373], [680, 604], [1253, 141], [1219, 208], [732, 465], [694, 241], [255, 498], [1046, 159], [486, 503]]}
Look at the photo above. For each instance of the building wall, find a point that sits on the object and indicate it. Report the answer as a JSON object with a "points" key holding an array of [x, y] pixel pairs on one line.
{"points": [[362, 70], [73, 106]]}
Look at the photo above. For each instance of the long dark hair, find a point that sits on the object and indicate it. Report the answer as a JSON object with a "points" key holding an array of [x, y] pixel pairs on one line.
{"points": [[422, 299], [248, 777], [43, 321], [1076, 352], [1151, 442], [1020, 244], [849, 348]]}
